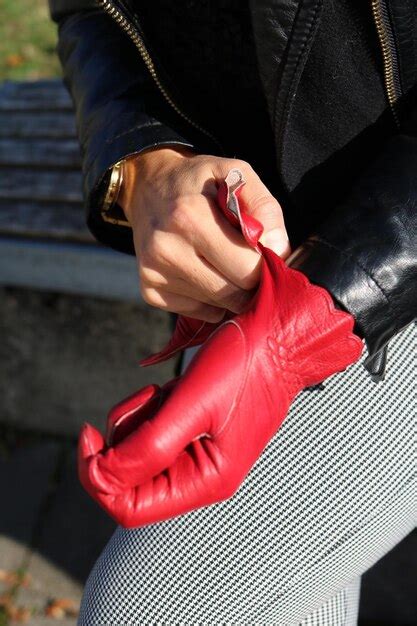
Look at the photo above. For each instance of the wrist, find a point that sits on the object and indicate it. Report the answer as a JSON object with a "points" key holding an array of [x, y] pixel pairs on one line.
{"points": [[141, 164], [141, 167]]}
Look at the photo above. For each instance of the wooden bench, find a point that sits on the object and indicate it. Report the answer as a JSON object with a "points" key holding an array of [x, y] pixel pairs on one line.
{"points": [[44, 242]]}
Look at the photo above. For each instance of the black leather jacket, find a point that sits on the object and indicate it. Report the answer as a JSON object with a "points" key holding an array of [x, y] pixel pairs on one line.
{"points": [[338, 79]]}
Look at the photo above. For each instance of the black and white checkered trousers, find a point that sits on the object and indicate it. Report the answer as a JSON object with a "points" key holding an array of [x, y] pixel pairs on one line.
{"points": [[333, 491]]}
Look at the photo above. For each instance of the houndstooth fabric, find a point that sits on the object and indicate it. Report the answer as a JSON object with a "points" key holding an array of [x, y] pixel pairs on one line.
{"points": [[333, 491], [340, 610]]}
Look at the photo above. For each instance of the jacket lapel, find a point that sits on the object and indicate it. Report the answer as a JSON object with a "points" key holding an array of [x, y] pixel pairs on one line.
{"points": [[284, 32], [272, 22]]}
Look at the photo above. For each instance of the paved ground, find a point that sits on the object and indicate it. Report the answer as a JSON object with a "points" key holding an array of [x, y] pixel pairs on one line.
{"points": [[51, 533]]}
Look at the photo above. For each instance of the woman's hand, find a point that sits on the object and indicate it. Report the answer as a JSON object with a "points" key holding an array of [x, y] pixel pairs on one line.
{"points": [[191, 260], [192, 442]]}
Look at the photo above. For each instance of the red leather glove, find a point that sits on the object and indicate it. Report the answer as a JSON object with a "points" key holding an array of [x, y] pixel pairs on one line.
{"points": [[192, 443]]}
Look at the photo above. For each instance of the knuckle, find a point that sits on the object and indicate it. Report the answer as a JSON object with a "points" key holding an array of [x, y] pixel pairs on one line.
{"points": [[238, 301], [205, 312], [156, 252], [240, 164], [145, 275], [150, 295], [250, 280], [244, 164], [151, 251], [213, 315], [265, 203], [181, 216], [150, 277], [214, 318]]}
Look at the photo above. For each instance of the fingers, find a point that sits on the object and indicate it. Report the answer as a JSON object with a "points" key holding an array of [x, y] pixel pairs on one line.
{"points": [[126, 415], [155, 445], [194, 411], [196, 253], [183, 305], [87, 453], [176, 277], [91, 441], [256, 200], [90, 445], [210, 263], [224, 248], [200, 283], [225, 292], [197, 478]]}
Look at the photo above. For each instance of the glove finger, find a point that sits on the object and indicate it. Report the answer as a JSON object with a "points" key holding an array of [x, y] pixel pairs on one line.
{"points": [[197, 407], [197, 478], [120, 507], [129, 413], [90, 444], [153, 447], [91, 441]]}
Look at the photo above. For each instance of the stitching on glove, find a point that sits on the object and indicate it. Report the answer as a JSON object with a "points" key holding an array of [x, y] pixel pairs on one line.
{"points": [[246, 368]]}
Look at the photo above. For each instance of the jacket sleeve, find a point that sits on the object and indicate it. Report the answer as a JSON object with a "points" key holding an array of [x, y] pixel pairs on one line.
{"points": [[365, 253], [119, 108]]}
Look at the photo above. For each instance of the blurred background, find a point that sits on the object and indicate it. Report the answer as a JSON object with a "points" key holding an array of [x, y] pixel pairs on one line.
{"points": [[73, 329]]}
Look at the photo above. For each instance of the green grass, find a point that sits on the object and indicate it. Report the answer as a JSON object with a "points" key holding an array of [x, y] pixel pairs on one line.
{"points": [[27, 41]]}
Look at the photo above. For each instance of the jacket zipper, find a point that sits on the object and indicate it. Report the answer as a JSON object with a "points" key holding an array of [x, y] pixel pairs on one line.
{"points": [[137, 38], [383, 26], [389, 55]]}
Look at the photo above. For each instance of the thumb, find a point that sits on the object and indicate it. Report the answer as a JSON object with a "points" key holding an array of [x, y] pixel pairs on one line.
{"points": [[256, 200]]}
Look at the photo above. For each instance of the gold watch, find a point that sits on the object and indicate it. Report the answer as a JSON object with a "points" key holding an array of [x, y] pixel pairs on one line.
{"points": [[111, 211]]}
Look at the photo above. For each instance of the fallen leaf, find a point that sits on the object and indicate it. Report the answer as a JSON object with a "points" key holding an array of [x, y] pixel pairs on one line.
{"points": [[18, 614], [60, 608], [14, 578], [14, 60]]}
